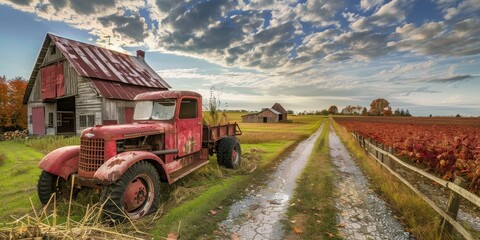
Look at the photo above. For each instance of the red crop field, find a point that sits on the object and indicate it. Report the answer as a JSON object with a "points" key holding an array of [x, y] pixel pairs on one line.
{"points": [[448, 147]]}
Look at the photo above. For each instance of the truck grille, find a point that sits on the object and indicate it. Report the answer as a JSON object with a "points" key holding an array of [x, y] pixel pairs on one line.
{"points": [[91, 156]]}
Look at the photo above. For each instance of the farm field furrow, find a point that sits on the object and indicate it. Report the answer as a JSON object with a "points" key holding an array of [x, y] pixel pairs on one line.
{"points": [[448, 147]]}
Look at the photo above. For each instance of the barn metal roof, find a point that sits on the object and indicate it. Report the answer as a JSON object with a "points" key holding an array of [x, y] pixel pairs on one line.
{"points": [[263, 110], [97, 62], [116, 90]]}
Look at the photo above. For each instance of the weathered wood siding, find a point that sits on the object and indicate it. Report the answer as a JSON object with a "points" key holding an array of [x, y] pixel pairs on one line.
{"points": [[87, 102], [115, 109], [259, 117], [71, 79]]}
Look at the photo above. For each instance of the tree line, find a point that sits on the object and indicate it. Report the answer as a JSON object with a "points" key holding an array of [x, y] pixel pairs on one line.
{"points": [[378, 107], [13, 113]]}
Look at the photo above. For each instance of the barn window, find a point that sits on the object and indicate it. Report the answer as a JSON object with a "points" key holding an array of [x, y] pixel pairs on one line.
{"points": [[87, 121], [50, 119], [53, 50], [59, 119], [30, 119], [188, 108]]}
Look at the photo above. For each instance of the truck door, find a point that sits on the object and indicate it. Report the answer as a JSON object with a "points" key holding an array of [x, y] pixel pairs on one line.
{"points": [[189, 127]]}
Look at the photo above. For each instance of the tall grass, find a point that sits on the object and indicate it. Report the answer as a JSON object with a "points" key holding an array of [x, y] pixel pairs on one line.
{"points": [[50, 143]]}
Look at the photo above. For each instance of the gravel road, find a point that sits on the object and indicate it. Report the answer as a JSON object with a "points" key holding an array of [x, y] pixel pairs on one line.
{"points": [[363, 215], [258, 215]]}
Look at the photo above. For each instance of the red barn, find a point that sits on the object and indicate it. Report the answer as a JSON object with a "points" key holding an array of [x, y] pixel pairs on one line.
{"points": [[76, 85]]}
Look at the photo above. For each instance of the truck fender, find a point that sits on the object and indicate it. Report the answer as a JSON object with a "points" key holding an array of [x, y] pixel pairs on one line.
{"points": [[61, 161], [112, 169]]}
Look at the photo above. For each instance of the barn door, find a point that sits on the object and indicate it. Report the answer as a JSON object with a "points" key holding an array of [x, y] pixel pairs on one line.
{"points": [[38, 120]]}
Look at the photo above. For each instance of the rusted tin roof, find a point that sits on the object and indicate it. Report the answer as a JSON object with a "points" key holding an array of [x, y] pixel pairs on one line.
{"points": [[97, 62], [116, 90]]}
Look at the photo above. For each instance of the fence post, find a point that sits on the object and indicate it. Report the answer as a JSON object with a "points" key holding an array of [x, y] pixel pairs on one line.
{"points": [[390, 151], [381, 154], [452, 209]]}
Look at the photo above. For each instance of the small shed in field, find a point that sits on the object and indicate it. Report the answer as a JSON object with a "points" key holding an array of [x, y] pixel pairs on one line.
{"points": [[76, 85], [268, 115]]}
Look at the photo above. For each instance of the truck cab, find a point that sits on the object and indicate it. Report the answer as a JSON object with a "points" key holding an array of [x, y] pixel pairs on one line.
{"points": [[166, 141]]}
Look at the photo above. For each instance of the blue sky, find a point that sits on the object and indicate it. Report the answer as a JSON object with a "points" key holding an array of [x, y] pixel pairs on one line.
{"points": [[421, 55]]}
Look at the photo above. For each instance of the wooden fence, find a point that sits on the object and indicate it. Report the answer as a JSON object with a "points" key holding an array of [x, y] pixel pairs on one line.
{"points": [[385, 158]]}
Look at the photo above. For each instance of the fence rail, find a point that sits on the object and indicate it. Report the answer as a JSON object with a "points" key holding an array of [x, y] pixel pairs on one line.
{"points": [[449, 216]]}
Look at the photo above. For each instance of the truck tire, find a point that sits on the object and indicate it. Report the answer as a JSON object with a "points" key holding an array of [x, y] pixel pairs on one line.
{"points": [[134, 195], [49, 183], [229, 153]]}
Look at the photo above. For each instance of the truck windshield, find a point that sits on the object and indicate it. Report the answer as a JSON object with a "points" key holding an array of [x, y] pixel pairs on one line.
{"points": [[157, 110]]}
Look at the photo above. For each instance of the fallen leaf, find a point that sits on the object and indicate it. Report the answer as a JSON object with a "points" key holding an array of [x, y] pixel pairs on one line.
{"points": [[297, 230], [213, 212], [341, 225], [293, 221], [318, 221], [220, 207], [344, 213], [172, 236], [234, 236], [330, 235]]}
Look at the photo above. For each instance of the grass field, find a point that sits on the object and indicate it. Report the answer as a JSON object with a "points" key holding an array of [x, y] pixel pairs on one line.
{"points": [[185, 205], [312, 214]]}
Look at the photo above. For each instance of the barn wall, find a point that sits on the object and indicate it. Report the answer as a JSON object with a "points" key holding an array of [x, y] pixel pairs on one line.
{"points": [[87, 103], [71, 79], [258, 118], [49, 57], [51, 112], [115, 110]]}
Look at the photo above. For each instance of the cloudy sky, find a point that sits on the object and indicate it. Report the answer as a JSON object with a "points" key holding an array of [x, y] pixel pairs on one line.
{"points": [[421, 55]]}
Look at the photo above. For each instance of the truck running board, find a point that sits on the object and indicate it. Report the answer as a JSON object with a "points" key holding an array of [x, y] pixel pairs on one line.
{"points": [[186, 170]]}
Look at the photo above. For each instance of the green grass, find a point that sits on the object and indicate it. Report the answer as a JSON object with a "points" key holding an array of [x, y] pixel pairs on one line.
{"points": [[187, 201], [18, 176], [312, 213], [417, 215]]}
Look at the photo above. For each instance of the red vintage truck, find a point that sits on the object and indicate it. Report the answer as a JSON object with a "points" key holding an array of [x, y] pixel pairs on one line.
{"points": [[166, 142]]}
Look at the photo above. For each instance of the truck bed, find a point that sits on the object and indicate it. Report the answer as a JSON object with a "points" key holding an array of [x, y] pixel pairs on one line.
{"points": [[212, 134]]}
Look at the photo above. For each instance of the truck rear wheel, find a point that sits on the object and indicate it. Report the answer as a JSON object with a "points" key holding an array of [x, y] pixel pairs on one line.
{"points": [[49, 183], [229, 153], [134, 195]]}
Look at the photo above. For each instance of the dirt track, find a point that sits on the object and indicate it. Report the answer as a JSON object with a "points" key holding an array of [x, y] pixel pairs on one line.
{"points": [[258, 215]]}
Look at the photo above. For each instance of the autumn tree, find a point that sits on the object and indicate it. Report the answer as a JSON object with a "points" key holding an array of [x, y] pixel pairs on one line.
{"points": [[13, 113], [333, 110], [3, 102], [379, 106]]}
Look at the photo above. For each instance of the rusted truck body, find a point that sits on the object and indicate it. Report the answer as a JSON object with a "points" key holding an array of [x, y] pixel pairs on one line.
{"points": [[166, 142]]}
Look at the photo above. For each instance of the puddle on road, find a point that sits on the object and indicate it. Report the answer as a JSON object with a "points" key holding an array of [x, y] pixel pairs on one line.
{"points": [[363, 214], [258, 215]]}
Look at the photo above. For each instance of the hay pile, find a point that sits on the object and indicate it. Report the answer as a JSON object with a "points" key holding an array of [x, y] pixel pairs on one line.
{"points": [[43, 225]]}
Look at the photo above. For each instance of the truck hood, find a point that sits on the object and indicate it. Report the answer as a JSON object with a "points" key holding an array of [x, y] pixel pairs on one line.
{"points": [[110, 132]]}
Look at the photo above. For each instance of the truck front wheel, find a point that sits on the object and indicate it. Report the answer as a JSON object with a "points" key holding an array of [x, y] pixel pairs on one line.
{"points": [[229, 153], [134, 195], [49, 183]]}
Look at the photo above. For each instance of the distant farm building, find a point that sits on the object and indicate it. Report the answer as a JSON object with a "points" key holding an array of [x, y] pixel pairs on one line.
{"points": [[268, 115], [75, 85], [352, 110]]}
